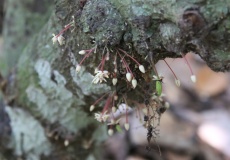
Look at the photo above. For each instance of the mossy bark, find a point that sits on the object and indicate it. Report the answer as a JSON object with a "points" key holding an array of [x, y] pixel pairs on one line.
{"points": [[54, 101]]}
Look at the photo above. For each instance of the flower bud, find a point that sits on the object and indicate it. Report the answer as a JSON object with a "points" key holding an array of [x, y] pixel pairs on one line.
{"points": [[78, 68], [128, 76], [66, 142], [91, 108], [134, 83], [82, 52], [142, 68], [114, 81], [177, 81], [193, 78], [167, 105], [110, 132], [126, 126]]}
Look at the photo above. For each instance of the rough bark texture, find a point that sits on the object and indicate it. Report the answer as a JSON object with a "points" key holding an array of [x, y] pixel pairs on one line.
{"points": [[47, 103]]}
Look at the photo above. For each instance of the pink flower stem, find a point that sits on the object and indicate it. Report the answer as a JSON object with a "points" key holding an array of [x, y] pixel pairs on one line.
{"points": [[170, 69], [187, 63], [62, 31], [155, 70], [126, 65], [98, 100], [136, 110], [87, 55], [107, 104], [126, 115], [115, 64], [139, 114], [129, 56], [102, 63]]}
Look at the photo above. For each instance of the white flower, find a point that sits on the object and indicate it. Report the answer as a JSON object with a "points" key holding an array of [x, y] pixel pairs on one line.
{"points": [[193, 78], [142, 68], [78, 68], [114, 81], [54, 39], [100, 76], [134, 83], [128, 76], [61, 40], [101, 117], [82, 52]]}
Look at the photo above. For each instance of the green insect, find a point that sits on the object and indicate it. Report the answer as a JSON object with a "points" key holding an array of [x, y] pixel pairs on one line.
{"points": [[159, 87], [118, 128]]}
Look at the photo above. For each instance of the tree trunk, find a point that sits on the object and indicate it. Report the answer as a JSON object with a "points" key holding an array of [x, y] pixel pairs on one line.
{"points": [[46, 103]]}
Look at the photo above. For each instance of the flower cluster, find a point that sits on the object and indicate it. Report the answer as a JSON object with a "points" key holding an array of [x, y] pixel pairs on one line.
{"points": [[101, 117], [110, 114], [125, 63], [102, 74], [59, 38]]}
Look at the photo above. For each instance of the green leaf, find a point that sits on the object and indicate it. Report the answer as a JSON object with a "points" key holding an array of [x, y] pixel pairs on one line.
{"points": [[118, 128], [158, 88]]}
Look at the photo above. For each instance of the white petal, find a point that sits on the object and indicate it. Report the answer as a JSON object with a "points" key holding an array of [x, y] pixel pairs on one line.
{"points": [[82, 52], [128, 76], [78, 68], [167, 105], [155, 77], [66, 142], [54, 39], [96, 70], [91, 108], [61, 40], [105, 117], [134, 83], [110, 132], [193, 78], [114, 81], [127, 126], [142, 68], [95, 80]]}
